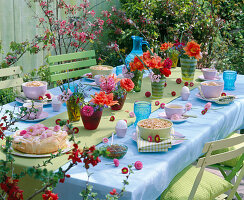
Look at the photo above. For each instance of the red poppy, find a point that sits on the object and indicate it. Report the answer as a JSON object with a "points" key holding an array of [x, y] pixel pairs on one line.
{"points": [[125, 170]]}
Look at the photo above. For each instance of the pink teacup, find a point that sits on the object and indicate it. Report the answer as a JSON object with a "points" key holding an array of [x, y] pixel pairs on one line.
{"points": [[171, 109], [34, 89], [209, 74], [31, 114], [212, 89]]}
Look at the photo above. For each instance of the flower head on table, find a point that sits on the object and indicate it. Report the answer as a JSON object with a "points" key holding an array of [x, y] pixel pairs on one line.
{"points": [[188, 106], [138, 165]]}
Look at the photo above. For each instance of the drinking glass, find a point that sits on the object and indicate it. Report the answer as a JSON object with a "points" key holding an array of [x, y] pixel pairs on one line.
{"points": [[119, 69], [229, 79], [142, 110]]}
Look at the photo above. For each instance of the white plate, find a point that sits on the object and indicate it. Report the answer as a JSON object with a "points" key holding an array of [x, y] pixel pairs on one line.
{"points": [[203, 79], [43, 116], [86, 77], [174, 142], [18, 153], [93, 84], [45, 101], [163, 115], [218, 100]]}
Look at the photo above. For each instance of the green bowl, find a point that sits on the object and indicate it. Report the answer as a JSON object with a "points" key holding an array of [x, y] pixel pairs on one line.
{"points": [[162, 132], [114, 151]]}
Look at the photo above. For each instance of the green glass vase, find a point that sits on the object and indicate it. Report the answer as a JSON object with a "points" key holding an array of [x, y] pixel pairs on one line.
{"points": [[137, 80], [158, 89], [188, 67], [73, 110]]}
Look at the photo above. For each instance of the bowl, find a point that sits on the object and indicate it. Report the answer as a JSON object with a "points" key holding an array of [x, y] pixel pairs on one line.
{"points": [[101, 70], [163, 132], [212, 89], [209, 73], [34, 89], [115, 150]]}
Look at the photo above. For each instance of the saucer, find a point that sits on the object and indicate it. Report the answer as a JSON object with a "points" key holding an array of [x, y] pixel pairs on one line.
{"points": [[220, 100], [86, 77], [203, 79], [163, 115], [43, 116], [23, 99]]}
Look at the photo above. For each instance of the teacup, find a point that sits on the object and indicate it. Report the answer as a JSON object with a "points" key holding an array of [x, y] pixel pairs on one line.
{"points": [[34, 110], [171, 109], [209, 74]]}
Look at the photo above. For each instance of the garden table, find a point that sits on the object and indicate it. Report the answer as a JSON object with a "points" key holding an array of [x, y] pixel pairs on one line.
{"points": [[158, 168]]}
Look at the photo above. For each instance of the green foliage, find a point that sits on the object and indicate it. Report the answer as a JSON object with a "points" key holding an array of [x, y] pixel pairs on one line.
{"points": [[42, 73], [6, 96]]}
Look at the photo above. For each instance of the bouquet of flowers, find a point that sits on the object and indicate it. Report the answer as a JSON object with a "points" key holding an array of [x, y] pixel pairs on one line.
{"points": [[119, 88]]}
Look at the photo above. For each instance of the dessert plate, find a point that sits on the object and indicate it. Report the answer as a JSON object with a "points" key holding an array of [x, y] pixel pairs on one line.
{"points": [[23, 99], [203, 79], [174, 142], [221, 100], [163, 115], [86, 77], [43, 116], [18, 153]]}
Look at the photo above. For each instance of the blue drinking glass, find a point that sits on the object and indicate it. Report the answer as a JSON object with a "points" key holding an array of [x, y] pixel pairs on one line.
{"points": [[229, 79], [119, 69], [142, 110]]}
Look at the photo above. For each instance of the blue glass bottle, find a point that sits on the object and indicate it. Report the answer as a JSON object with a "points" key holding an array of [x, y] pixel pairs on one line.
{"points": [[137, 49]]}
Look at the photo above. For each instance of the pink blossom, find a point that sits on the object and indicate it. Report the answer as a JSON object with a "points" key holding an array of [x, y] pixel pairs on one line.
{"points": [[116, 162], [49, 133], [41, 20], [138, 165], [175, 117], [38, 126], [92, 13], [188, 106], [87, 111], [132, 114], [43, 136], [208, 105], [154, 77], [109, 21], [45, 127], [23, 132], [56, 128], [30, 129], [35, 133], [26, 136], [105, 140]]}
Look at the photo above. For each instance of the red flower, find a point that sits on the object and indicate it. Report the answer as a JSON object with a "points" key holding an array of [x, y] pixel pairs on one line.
{"points": [[203, 112], [191, 84], [112, 118], [103, 99], [173, 93], [75, 154], [138, 165], [49, 195], [48, 96], [137, 64], [114, 192], [186, 83], [40, 97], [165, 71], [148, 94], [57, 121], [157, 103], [223, 94], [149, 138], [127, 84], [67, 121], [165, 84], [162, 105], [157, 138], [76, 130], [125, 170], [165, 46], [178, 80]]}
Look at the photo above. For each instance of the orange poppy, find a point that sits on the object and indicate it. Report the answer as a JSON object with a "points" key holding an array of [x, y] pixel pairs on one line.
{"points": [[165, 46], [193, 49], [137, 64], [127, 84]]}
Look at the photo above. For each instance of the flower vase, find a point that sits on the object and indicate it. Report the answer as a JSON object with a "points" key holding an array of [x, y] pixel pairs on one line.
{"points": [[158, 89], [91, 122], [174, 57], [137, 80], [188, 67], [121, 101], [73, 110]]}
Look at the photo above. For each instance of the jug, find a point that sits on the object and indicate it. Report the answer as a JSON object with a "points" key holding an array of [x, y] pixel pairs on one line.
{"points": [[137, 49]]}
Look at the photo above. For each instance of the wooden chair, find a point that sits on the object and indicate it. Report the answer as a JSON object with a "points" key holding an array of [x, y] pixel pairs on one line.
{"points": [[72, 65], [10, 78], [193, 183]]}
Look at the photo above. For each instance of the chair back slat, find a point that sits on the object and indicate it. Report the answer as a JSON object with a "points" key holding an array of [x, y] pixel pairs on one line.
{"points": [[11, 83], [72, 65], [72, 74], [71, 56], [218, 158], [10, 71], [220, 144]]}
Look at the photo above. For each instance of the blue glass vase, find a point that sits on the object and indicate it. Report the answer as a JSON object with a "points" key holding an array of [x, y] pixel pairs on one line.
{"points": [[137, 49]]}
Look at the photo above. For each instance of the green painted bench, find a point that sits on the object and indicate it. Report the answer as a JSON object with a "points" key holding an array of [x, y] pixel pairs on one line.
{"points": [[11, 78], [72, 65]]}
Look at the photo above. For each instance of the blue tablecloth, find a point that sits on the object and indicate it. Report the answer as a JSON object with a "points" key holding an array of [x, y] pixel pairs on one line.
{"points": [[160, 168]]}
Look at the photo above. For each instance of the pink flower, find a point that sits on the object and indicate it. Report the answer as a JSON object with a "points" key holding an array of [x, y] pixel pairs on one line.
{"points": [[35, 133], [87, 111], [175, 117], [30, 129], [208, 105], [92, 13], [132, 114], [26, 135], [49, 133], [43, 136], [23, 132], [162, 105], [116, 162], [38, 125], [45, 127], [56, 128], [138, 165], [105, 140], [149, 138], [188, 106]]}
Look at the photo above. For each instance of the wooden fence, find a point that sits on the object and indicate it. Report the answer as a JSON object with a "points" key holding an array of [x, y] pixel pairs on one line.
{"points": [[17, 24]]}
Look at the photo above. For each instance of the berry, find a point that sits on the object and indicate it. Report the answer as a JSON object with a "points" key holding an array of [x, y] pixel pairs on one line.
{"points": [[112, 118], [157, 103], [147, 94], [40, 97], [186, 83], [178, 80], [173, 93], [191, 84], [223, 94]]}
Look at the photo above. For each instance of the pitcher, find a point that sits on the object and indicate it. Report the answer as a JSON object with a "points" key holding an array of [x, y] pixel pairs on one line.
{"points": [[137, 49]]}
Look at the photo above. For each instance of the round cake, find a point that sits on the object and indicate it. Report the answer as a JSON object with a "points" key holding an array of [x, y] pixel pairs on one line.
{"points": [[39, 139]]}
